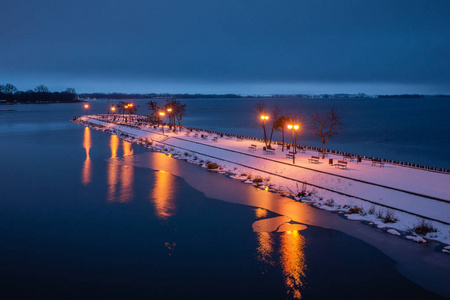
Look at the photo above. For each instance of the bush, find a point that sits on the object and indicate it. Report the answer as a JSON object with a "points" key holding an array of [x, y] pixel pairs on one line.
{"points": [[329, 202], [355, 210], [389, 217], [423, 227], [371, 210], [186, 154], [212, 166], [258, 179]]}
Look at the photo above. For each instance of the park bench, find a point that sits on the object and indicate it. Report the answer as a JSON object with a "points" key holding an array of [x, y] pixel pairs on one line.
{"points": [[229, 137], [376, 162], [196, 135], [215, 139], [252, 147], [205, 137], [269, 151], [290, 154], [314, 159], [239, 139], [187, 134], [302, 149], [341, 164]]}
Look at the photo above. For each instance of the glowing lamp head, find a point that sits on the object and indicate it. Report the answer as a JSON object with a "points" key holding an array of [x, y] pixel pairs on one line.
{"points": [[86, 106], [161, 114], [289, 126], [113, 108], [130, 105], [264, 117], [296, 127], [169, 110]]}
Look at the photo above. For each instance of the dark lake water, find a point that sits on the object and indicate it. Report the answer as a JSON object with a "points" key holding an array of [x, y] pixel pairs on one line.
{"points": [[76, 223], [412, 130]]}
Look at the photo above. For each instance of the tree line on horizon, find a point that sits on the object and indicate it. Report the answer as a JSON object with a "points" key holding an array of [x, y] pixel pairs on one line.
{"points": [[40, 94]]}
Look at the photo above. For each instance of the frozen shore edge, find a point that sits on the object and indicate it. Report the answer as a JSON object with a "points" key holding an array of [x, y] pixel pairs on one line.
{"points": [[351, 207]]}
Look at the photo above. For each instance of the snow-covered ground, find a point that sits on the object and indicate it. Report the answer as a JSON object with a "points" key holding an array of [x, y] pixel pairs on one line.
{"points": [[378, 195]]}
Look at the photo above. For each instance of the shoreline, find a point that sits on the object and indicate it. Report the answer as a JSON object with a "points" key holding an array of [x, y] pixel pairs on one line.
{"points": [[335, 199]]}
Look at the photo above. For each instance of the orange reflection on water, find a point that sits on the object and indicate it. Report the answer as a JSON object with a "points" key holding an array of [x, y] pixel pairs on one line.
{"points": [[126, 175], [113, 168], [293, 262], [87, 167], [127, 148], [260, 213], [265, 249], [163, 195]]}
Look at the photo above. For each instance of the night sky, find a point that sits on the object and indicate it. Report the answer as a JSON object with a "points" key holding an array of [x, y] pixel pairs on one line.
{"points": [[236, 46]]}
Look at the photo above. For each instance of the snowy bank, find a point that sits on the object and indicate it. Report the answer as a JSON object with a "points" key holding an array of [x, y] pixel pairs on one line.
{"points": [[390, 197]]}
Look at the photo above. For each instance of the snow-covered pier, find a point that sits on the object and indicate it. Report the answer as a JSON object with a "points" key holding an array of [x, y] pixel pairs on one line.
{"points": [[405, 194]]}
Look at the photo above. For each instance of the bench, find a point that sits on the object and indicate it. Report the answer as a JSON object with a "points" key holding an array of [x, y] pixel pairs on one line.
{"points": [[302, 149], [252, 147], [187, 134], [239, 139], [314, 159], [341, 164], [270, 151], [215, 139], [290, 154], [377, 162], [205, 137], [347, 156], [196, 135]]}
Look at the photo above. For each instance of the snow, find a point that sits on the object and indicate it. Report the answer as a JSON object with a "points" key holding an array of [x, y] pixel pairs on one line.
{"points": [[291, 227], [394, 232], [329, 188], [416, 239], [269, 225]]}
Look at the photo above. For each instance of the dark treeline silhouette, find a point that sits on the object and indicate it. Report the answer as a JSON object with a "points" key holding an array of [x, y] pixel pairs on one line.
{"points": [[155, 96], [41, 94], [402, 96]]}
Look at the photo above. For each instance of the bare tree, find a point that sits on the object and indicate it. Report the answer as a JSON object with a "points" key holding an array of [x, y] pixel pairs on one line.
{"points": [[280, 125], [275, 114], [262, 116], [154, 111], [326, 125]]}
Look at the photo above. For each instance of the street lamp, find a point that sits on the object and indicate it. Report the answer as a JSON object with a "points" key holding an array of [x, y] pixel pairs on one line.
{"points": [[161, 114], [264, 118], [295, 128], [86, 107], [113, 109]]}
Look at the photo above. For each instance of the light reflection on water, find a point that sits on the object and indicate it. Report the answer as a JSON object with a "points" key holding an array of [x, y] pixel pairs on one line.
{"points": [[293, 261], [291, 256], [87, 165], [127, 174], [113, 168], [162, 193]]}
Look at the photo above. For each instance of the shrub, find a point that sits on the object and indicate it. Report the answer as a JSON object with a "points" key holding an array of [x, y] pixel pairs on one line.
{"points": [[371, 210], [195, 158], [329, 202], [244, 174], [212, 166], [423, 227], [355, 210], [380, 214], [258, 179], [389, 217], [186, 154]]}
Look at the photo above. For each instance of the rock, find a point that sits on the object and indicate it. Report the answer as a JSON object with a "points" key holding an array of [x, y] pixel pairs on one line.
{"points": [[394, 232], [416, 239]]}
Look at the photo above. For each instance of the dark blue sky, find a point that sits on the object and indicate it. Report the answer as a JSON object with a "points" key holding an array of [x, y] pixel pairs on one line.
{"points": [[288, 46]]}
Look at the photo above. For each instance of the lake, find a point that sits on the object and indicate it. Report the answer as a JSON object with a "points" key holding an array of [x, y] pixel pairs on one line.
{"points": [[80, 218]]}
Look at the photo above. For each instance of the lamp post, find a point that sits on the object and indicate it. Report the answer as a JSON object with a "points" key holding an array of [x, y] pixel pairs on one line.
{"points": [[86, 107], [264, 118], [161, 114], [294, 128], [113, 109]]}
